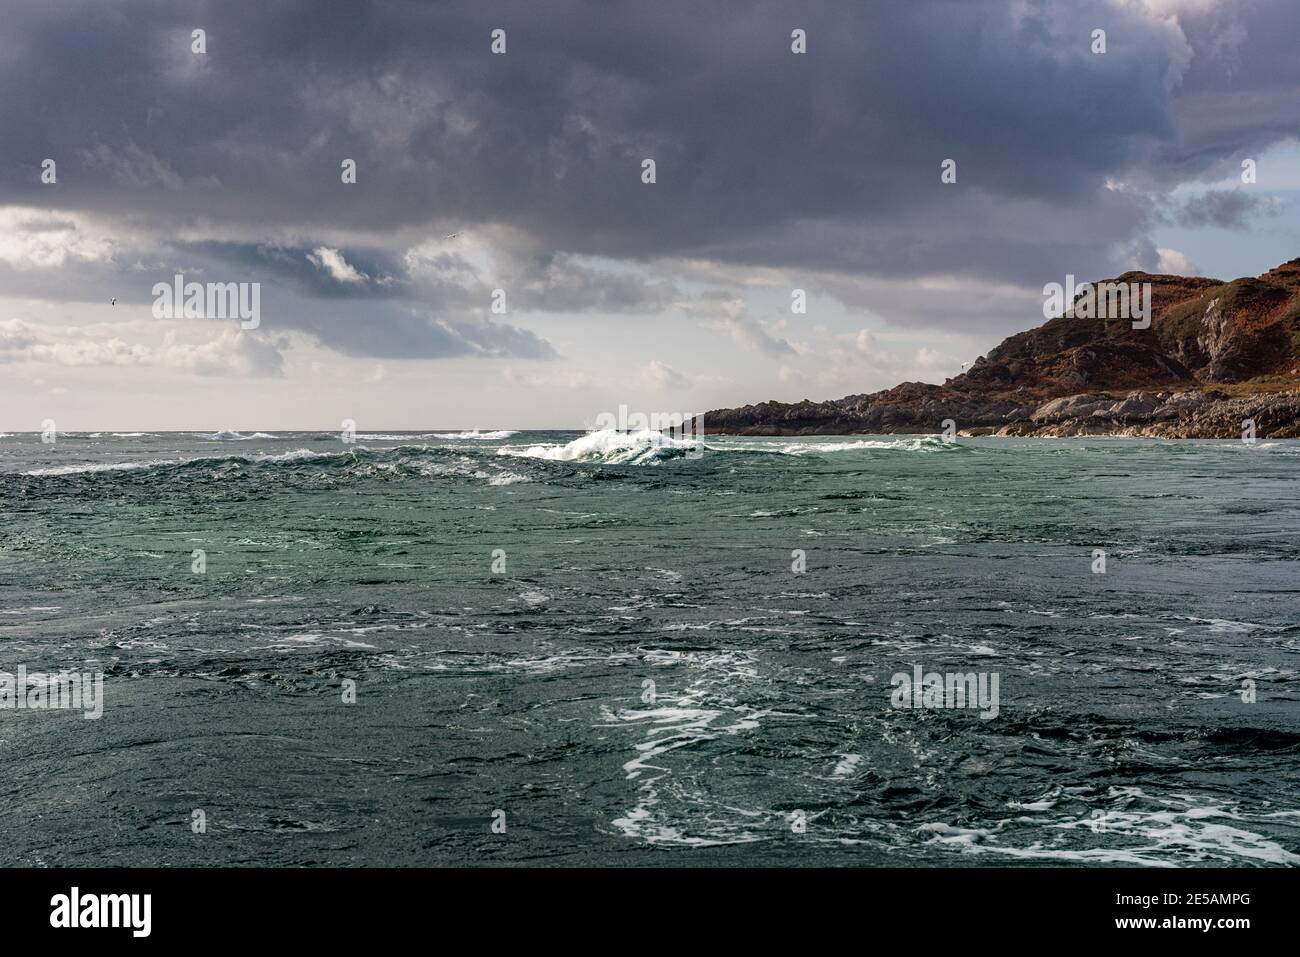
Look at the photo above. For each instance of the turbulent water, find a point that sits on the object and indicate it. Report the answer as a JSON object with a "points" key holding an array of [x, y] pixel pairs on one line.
{"points": [[604, 648]]}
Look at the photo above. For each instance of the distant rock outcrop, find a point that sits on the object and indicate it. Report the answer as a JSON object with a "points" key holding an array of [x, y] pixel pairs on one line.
{"points": [[1216, 353]]}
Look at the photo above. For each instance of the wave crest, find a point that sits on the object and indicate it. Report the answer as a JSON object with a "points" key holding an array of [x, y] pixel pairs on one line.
{"points": [[227, 436], [475, 434], [610, 447]]}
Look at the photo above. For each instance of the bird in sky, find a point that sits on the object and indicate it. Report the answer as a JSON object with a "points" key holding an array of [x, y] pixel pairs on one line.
{"points": [[113, 301], [451, 236]]}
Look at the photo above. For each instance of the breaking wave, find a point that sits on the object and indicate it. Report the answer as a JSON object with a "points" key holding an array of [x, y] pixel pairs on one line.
{"points": [[93, 467], [309, 464], [610, 447], [226, 436], [916, 443]]}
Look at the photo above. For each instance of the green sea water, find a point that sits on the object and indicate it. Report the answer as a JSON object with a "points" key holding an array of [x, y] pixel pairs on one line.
{"points": [[550, 648]]}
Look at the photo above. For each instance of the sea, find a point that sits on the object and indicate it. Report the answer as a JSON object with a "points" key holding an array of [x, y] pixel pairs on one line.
{"points": [[560, 648]]}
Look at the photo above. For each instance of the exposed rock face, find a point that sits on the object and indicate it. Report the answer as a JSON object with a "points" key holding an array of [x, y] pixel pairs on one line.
{"points": [[1186, 415], [1085, 376]]}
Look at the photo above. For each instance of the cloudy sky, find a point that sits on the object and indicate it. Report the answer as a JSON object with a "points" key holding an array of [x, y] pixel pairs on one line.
{"points": [[522, 172]]}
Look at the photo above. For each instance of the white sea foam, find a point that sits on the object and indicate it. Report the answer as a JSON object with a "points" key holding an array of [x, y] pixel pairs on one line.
{"points": [[90, 468], [847, 765], [226, 436], [704, 711], [609, 446], [297, 455], [93, 467], [919, 443], [1151, 830], [475, 434]]}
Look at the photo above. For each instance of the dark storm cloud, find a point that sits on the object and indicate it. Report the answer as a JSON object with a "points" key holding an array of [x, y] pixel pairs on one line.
{"points": [[1224, 209], [1239, 93], [447, 281], [384, 275], [827, 160], [389, 330], [404, 319], [558, 283]]}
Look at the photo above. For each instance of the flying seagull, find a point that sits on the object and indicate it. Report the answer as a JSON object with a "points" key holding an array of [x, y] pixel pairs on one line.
{"points": [[451, 236], [113, 302]]}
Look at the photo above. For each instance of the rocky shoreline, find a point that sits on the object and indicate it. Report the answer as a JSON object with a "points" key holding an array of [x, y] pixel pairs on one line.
{"points": [[1171, 415], [1191, 414], [1217, 357]]}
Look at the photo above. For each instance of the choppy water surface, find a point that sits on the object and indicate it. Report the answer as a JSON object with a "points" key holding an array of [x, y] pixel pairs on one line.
{"points": [[1121, 735]]}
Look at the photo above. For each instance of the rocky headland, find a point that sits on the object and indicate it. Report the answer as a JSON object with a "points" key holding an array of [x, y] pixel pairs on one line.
{"points": [[1215, 354]]}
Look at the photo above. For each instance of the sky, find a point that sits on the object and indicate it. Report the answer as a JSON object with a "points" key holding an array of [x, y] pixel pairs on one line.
{"points": [[499, 259]]}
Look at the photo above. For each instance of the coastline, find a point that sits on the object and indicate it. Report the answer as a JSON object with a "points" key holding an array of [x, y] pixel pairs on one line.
{"points": [[1189, 414], [1211, 360]]}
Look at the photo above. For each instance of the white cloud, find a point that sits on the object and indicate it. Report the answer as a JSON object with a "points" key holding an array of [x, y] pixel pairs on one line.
{"points": [[865, 344], [48, 239], [752, 336], [660, 377], [332, 262], [233, 352], [1176, 263], [1165, 8]]}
